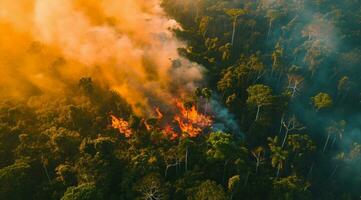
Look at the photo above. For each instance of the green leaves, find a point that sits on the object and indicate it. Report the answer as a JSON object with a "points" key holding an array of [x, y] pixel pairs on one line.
{"points": [[15, 181], [222, 146], [235, 13], [259, 95], [208, 190], [83, 192], [322, 101]]}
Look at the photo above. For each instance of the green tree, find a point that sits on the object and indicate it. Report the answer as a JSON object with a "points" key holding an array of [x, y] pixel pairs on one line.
{"points": [[86, 191], [234, 14], [278, 155], [16, 181], [259, 96], [150, 187], [208, 190], [322, 101], [233, 183], [290, 187]]}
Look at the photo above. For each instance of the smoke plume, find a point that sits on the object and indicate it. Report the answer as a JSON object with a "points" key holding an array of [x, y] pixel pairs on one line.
{"points": [[126, 45]]}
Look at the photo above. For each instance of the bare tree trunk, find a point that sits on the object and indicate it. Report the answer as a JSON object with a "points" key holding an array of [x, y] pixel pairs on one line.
{"points": [[282, 120], [326, 143], [234, 31], [310, 171], [333, 171], [46, 173], [269, 28], [169, 166], [278, 171], [246, 181], [285, 138], [333, 141], [224, 170], [257, 115], [186, 158], [257, 165]]}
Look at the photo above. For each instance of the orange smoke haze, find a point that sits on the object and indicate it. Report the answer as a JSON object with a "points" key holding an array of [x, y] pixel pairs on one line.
{"points": [[126, 45]]}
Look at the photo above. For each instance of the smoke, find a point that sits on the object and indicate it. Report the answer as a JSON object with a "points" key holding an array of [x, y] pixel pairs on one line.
{"points": [[126, 45], [225, 121], [320, 44]]}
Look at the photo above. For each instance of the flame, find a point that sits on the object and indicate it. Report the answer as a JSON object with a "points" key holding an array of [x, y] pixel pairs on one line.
{"points": [[159, 113], [169, 132], [147, 126], [192, 122], [122, 125]]}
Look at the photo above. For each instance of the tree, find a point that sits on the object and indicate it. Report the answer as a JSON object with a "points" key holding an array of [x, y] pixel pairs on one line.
{"points": [[290, 125], [234, 14], [294, 84], [278, 155], [223, 147], [273, 15], [150, 187], [86, 191], [206, 94], [322, 101], [336, 129], [257, 66], [204, 25], [208, 190], [290, 187], [277, 55], [258, 154], [259, 96], [66, 174], [16, 182], [233, 183]]}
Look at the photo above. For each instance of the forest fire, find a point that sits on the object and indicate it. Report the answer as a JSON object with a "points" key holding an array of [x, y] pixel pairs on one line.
{"points": [[159, 113], [122, 125], [189, 122], [169, 132]]}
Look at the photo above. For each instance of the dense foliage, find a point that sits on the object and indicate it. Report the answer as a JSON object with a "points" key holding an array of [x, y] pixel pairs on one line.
{"points": [[287, 72]]}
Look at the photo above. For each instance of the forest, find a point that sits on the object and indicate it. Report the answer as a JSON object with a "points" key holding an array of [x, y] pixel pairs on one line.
{"points": [[180, 100]]}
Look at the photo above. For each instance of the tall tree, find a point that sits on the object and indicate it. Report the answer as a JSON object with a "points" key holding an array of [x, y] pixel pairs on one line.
{"points": [[234, 14], [259, 96]]}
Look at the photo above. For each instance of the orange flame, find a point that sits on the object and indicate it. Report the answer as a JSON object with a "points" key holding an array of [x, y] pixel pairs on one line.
{"points": [[192, 122], [168, 131], [159, 113], [122, 125]]}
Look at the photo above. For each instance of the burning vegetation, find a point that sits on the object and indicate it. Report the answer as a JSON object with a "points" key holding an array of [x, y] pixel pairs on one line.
{"points": [[187, 122], [122, 125]]}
